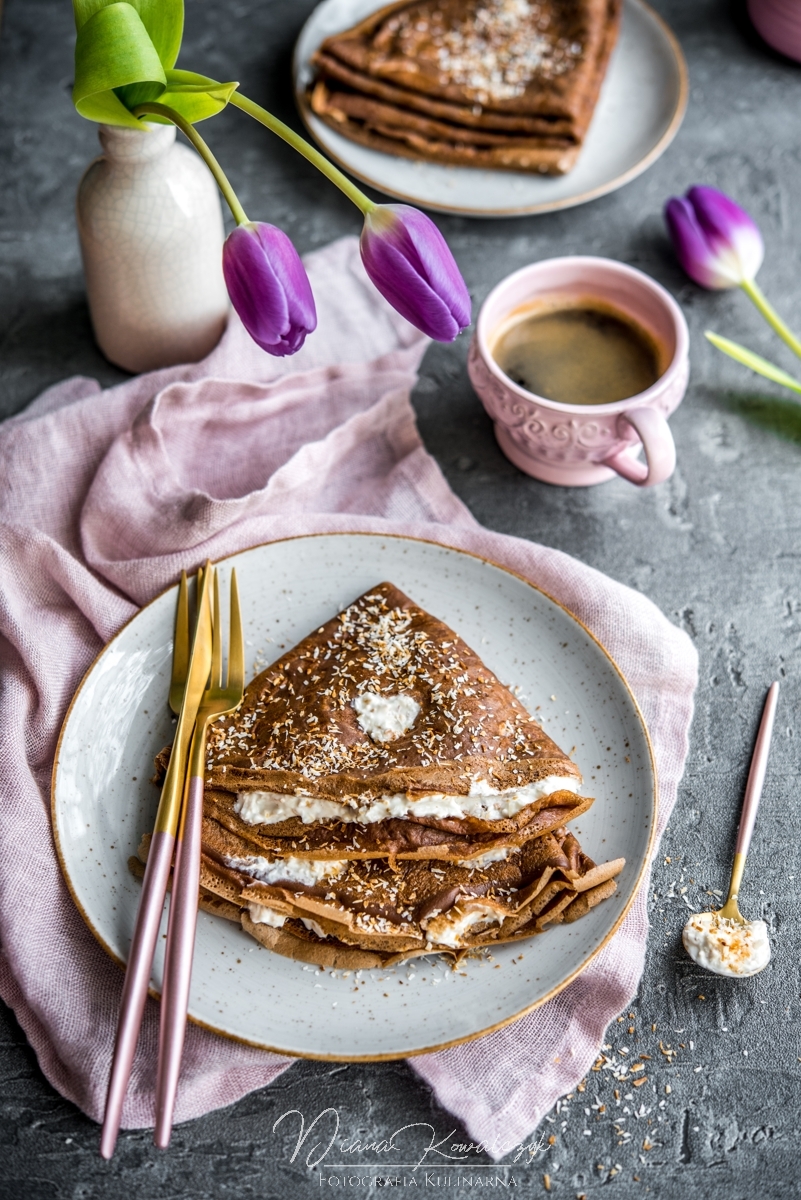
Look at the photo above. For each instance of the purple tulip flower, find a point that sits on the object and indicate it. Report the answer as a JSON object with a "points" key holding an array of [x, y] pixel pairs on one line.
{"points": [[409, 262], [716, 242], [269, 287]]}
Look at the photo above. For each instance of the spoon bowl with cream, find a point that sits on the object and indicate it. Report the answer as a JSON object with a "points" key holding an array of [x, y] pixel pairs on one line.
{"points": [[725, 942]]}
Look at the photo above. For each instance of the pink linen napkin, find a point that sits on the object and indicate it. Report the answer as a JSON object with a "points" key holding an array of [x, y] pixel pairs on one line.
{"points": [[105, 496]]}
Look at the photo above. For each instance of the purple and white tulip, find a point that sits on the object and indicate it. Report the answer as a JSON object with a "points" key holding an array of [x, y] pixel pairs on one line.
{"points": [[720, 246], [717, 243], [410, 263], [269, 287]]}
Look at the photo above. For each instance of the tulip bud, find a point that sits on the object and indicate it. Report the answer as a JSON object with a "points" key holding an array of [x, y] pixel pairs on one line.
{"points": [[716, 242], [269, 287], [409, 262]]}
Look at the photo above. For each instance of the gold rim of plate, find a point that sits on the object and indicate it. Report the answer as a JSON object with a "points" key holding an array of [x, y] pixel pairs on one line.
{"points": [[390, 1056]]}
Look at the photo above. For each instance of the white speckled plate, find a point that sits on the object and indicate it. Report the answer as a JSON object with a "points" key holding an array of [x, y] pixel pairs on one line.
{"points": [[103, 799], [639, 112]]}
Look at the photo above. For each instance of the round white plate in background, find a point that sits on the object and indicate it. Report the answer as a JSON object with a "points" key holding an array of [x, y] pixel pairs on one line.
{"points": [[103, 800], [641, 107]]}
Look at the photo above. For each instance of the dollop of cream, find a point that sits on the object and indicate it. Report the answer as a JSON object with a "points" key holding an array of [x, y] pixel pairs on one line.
{"points": [[484, 860], [268, 808], [726, 947], [292, 870], [385, 718], [449, 928], [261, 915], [314, 927]]}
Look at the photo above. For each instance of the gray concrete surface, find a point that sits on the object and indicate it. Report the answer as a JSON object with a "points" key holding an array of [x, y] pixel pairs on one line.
{"points": [[717, 548]]}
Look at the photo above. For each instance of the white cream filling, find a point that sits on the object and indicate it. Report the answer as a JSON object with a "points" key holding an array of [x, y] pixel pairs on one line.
{"points": [[385, 718], [260, 915], [295, 870], [449, 928], [484, 860], [314, 927], [268, 808], [726, 947]]}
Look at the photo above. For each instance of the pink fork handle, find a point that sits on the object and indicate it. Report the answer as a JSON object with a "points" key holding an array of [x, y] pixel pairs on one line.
{"points": [[137, 978], [756, 774], [178, 960], [660, 449]]}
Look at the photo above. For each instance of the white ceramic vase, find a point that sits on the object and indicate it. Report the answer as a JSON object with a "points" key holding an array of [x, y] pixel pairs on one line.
{"points": [[151, 232]]}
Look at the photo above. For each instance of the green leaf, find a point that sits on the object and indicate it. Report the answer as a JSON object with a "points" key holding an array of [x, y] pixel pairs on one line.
{"points": [[124, 57], [163, 20], [761, 365], [114, 50], [195, 97]]}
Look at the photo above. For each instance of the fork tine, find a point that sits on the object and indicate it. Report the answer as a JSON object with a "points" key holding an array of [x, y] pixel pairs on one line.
{"points": [[236, 648], [216, 636], [198, 589], [180, 654]]}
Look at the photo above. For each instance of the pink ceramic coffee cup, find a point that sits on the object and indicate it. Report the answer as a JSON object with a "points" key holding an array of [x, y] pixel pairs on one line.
{"points": [[779, 23], [581, 444]]}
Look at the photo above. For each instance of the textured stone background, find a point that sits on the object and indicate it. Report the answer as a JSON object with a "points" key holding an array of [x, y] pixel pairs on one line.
{"points": [[717, 547]]}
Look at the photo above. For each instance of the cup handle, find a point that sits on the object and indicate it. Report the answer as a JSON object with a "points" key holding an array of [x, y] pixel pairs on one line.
{"points": [[660, 449]]}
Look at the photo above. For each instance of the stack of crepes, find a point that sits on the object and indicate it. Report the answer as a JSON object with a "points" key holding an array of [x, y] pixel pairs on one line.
{"points": [[509, 84], [380, 794]]}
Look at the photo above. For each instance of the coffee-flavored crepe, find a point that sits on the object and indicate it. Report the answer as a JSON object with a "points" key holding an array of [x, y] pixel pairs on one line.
{"points": [[379, 791], [364, 913], [382, 715], [509, 84]]}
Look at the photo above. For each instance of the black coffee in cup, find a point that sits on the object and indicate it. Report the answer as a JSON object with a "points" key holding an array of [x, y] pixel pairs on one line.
{"points": [[582, 353]]}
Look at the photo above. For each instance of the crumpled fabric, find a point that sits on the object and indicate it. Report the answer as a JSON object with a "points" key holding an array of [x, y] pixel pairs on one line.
{"points": [[104, 497]]}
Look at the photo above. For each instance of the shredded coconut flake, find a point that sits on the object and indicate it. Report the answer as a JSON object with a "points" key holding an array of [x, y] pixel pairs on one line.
{"points": [[496, 50]]}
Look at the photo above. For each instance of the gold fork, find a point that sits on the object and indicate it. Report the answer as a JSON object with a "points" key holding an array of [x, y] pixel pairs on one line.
{"points": [[220, 697], [157, 871]]}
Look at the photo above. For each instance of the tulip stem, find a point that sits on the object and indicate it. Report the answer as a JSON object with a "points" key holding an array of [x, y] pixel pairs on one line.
{"points": [[300, 144], [754, 293], [161, 110], [755, 362]]}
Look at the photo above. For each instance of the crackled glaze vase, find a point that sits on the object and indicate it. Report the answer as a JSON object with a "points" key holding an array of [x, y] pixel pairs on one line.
{"points": [[151, 232]]}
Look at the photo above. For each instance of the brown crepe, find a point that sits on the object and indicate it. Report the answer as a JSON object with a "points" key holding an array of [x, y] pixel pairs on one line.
{"points": [[411, 905], [388, 887], [397, 911], [295, 941], [508, 84], [421, 837], [297, 731]]}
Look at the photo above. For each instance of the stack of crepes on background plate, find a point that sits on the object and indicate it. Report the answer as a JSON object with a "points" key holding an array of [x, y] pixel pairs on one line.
{"points": [[505, 84], [380, 794]]}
